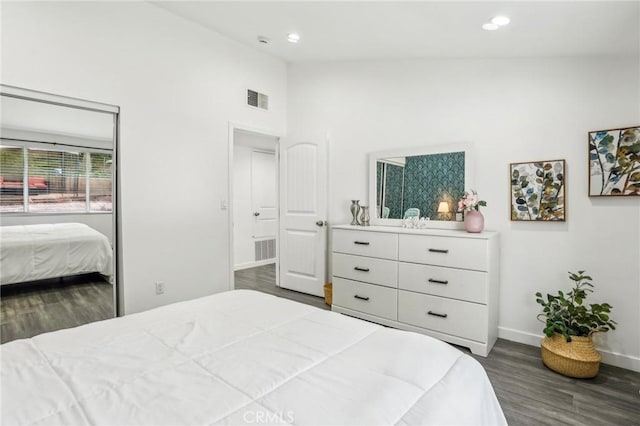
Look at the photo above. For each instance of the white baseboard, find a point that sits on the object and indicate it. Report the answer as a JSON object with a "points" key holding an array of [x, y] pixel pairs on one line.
{"points": [[248, 265], [530, 339], [611, 358]]}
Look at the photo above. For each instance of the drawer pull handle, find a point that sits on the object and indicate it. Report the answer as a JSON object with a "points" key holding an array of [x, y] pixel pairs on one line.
{"points": [[357, 268], [361, 297], [361, 243], [435, 314], [438, 251], [431, 280]]}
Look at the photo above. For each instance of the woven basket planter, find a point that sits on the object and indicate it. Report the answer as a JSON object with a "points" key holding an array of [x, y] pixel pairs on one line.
{"points": [[577, 358], [328, 294]]}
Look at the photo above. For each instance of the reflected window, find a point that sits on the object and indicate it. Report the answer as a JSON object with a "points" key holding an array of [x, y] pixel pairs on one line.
{"points": [[54, 181], [11, 179], [100, 182]]}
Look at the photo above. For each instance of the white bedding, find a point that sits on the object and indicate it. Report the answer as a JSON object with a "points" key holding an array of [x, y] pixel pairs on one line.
{"points": [[34, 252], [241, 357]]}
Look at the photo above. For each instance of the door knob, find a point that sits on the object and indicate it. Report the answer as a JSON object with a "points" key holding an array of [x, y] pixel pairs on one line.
{"points": [[256, 214], [321, 223]]}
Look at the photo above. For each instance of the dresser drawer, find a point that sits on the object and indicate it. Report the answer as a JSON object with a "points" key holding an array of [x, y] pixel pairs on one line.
{"points": [[447, 282], [463, 319], [368, 269], [467, 253], [368, 298], [362, 243]]}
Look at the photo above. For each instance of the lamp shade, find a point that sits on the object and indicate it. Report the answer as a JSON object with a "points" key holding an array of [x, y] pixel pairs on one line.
{"points": [[443, 207]]}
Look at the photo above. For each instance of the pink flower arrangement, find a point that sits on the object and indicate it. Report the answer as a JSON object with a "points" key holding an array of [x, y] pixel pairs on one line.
{"points": [[470, 201]]}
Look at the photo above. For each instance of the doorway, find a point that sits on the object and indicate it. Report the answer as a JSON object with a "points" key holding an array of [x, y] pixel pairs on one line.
{"points": [[254, 207], [299, 267]]}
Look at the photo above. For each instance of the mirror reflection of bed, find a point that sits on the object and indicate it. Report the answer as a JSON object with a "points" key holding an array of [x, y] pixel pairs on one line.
{"points": [[57, 199]]}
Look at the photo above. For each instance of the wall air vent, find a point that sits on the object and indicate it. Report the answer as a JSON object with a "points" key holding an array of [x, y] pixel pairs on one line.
{"points": [[265, 249], [258, 100]]}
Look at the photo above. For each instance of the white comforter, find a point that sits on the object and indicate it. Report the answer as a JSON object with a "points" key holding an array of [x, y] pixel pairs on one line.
{"points": [[241, 357], [34, 252]]}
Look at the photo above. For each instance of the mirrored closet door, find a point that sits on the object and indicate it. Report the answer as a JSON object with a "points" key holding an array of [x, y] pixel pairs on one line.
{"points": [[58, 234]]}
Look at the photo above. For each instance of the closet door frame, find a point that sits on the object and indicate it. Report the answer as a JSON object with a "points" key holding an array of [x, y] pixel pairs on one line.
{"points": [[114, 110]]}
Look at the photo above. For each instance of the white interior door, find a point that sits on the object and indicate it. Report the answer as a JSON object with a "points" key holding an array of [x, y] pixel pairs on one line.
{"points": [[303, 205], [263, 194]]}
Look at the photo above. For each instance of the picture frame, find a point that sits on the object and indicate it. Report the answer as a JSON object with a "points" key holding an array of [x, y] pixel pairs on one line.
{"points": [[538, 191], [614, 162]]}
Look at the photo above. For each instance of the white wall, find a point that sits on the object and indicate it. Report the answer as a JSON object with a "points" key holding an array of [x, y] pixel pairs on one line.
{"points": [[57, 122], [512, 110], [178, 86]]}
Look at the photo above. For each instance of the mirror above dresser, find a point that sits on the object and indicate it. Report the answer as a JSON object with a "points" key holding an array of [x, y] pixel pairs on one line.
{"points": [[424, 181]]}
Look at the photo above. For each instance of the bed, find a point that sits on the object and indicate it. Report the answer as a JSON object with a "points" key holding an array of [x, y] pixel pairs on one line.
{"points": [[241, 357], [35, 252]]}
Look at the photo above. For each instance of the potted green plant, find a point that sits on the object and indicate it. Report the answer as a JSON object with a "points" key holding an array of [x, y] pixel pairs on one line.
{"points": [[569, 326]]}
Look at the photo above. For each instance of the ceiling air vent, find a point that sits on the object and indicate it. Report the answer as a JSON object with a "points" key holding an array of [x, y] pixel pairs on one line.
{"points": [[258, 100]]}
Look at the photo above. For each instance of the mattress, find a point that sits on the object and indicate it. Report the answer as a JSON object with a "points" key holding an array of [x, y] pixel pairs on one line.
{"points": [[241, 357], [35, 252]]}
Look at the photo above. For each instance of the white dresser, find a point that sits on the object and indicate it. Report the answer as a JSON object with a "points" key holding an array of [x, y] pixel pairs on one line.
{"points": [[443, 283]]}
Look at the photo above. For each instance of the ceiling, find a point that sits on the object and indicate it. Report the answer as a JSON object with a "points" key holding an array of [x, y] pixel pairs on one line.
{"points": [[357, 30]]}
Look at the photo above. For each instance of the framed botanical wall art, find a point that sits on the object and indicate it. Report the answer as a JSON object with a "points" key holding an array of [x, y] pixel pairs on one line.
{"points": [[614, 162], [538, 191]]}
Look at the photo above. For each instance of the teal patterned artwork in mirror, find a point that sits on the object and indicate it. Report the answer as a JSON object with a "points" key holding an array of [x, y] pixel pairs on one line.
{"points": [[420, 182], [430, 179]]}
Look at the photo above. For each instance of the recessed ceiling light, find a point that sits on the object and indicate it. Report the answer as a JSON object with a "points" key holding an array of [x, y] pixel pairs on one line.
{"points": [[501, 20], [293, 38], [489, 26]]}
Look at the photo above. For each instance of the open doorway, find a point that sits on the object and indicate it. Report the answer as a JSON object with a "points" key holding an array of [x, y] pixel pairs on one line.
{"points": [[254, 174], [254, 212]]}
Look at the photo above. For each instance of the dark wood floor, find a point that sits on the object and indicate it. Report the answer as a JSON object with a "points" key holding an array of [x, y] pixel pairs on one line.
{"points": [[29, 309], [529, 393], [263, 278]]}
